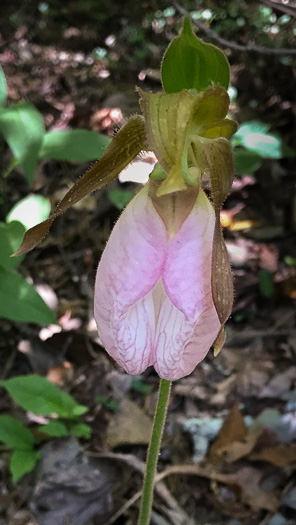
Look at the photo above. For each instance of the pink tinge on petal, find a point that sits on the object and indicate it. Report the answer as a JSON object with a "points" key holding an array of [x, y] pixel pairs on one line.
{"points": [[135, 336], [188, 323], [172, 333], [130, 267], [187, 270], [181, 344], [203, 337]]}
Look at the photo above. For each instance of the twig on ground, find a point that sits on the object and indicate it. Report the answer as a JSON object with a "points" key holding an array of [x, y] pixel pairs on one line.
{"points": [[160, 488]]}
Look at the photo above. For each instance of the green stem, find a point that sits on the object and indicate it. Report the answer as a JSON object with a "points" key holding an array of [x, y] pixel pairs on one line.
{"points": [[153, 451]]}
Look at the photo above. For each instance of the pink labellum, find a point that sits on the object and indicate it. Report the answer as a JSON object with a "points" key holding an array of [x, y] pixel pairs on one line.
{"points": [[153, 298]]}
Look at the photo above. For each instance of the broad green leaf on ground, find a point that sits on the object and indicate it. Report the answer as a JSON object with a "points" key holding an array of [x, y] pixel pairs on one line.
{"points": [[10, 238], [81, 430], [29, 211], [37, 394], [255, 137], [77, 145], [3, 88], [15, 434], [246, 162], [55, 429], [120, 198], [190, 63], [22, 127], [21, 462], [19, 301]]}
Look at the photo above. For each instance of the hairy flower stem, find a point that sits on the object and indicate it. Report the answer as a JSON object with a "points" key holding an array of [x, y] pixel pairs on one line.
{"points": [[153, 451]]}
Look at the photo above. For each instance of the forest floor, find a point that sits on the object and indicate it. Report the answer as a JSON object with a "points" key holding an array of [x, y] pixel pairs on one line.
{"points": [[229, 450]]}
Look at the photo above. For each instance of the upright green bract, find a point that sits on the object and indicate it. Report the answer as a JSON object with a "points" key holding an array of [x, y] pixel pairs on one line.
{"points": [[190, 63]]}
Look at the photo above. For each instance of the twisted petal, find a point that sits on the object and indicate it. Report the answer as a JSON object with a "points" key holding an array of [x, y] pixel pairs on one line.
{"points": [[188, 322], [128, 271]]}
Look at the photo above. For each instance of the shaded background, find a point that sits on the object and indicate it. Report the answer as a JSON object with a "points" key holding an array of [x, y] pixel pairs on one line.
{"points": [[78, 63]]}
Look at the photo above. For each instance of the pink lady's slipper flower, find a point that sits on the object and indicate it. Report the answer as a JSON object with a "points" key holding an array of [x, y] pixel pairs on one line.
{"points": [[163, 287], [153, 300]]}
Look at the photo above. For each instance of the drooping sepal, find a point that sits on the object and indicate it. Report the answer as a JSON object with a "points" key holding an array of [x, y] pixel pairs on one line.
{"points": [[222, 285], [216, 159], [214, 155], [220, 340], [128, 142]]}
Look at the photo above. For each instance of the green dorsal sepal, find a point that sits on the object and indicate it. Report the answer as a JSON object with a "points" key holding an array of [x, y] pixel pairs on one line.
{"points": [[190, 63]]}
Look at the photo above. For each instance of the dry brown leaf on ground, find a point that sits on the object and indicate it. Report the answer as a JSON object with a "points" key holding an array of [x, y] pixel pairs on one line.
{"points": [[280, 384], [224, 389], [249, 480], [233, 429], [192, 392], [232, 509], [240, 449], [280, 456], [233, 357], [254, 377], [130, 425]]}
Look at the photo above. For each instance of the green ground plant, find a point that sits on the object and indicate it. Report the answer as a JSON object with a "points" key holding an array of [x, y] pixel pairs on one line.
{"points": [[39, 396]]}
